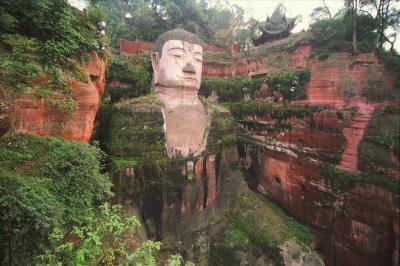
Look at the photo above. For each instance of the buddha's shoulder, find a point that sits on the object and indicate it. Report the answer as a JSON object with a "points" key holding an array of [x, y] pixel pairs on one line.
{"points": [[215, 109], [147, 104]]}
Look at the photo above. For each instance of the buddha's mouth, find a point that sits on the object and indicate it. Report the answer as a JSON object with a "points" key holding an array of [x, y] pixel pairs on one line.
{"points": [[189, 78]]}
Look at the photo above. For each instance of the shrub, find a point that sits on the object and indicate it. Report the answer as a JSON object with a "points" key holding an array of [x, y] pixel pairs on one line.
{"points": [[99, 241], [279, 111], [18, 67], [137, 77], [34, 43], [45, 183], [340, 181], [61, 35], [228, 90], [334, 35], [291, 84]]}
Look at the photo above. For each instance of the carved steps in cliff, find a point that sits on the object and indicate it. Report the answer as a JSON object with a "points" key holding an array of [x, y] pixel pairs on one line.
{"points": [[354, 133]]}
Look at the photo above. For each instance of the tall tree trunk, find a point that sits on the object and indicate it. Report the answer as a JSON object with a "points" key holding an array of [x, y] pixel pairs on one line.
{"points": [[378, 19], [391, 43], [327, 8], [355, 26]]}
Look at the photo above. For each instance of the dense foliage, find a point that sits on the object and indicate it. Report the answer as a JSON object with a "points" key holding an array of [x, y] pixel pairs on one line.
{"points": [[59, 36], [100, 241], [341, 181], [45, 183], [335, 35], [228, 90], [43, 43], [147, 19], [277, 111], [258, 227], [362, 25], [291, 84], [133, 72]]}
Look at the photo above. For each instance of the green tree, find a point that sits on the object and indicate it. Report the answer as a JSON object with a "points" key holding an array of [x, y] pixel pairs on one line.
{"points": [[319, 13], [352, 9], [45, 183], [243, 39], [61, 35], [387, 16], [100, 241]]}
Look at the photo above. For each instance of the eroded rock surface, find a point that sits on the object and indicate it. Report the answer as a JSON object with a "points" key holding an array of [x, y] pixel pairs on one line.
{"points": [[286, 164], [38, 116]]}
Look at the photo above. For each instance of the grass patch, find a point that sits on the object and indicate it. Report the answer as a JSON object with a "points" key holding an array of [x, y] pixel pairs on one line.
{"points": [[258, 227], [341, 181], [219, 57], [279, 111]]}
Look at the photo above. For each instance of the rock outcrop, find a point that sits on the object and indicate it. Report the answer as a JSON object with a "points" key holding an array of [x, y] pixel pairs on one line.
{"points": [[356, 223], [39, 116], [355, 228]]}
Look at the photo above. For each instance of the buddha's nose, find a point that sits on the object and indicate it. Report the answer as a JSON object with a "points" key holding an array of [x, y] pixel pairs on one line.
{"points": [[189, 68]]}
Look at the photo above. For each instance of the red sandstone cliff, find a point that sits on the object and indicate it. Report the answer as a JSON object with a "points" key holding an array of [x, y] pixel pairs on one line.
{"points": [[361, 225], [34, 115], [342, 81]]}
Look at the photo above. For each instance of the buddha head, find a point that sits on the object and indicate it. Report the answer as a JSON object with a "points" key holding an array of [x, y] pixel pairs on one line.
{"points": [[177, 60]]}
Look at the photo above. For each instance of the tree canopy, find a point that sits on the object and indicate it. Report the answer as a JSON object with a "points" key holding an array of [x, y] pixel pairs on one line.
{"points": [[147, 19]]}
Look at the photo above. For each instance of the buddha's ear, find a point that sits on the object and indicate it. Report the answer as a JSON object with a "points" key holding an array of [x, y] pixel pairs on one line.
{"points": [[155, 59]]}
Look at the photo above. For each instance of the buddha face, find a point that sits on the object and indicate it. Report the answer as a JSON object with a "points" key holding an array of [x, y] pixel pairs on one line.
{"points": [[179, 65]]}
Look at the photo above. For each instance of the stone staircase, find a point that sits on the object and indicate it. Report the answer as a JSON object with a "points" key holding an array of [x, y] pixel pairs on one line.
{"points": [[354, 134]]}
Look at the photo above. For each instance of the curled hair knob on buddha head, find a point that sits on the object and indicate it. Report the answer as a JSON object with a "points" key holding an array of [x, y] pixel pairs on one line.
{"points": [[176, 34]]}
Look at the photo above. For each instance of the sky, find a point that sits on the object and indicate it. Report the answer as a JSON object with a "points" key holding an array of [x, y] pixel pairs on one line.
{"points": [[259, 9]]}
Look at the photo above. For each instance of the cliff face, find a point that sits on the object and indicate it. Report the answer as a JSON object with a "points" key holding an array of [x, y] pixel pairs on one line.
{"points": [[277, 61], [356, 221], [40, 116], [357, 227]]}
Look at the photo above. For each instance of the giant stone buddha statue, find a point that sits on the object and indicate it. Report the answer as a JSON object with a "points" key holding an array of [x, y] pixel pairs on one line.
{"points": [[177, 65], [174, 153]]}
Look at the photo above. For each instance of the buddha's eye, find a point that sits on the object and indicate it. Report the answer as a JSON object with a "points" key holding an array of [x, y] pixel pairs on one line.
{"points": [[199, 60], [178, 55]]}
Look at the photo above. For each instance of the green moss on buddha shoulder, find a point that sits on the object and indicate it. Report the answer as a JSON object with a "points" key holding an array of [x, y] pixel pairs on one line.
{"points": [[135, 131], [222, 130], [135, 138]]}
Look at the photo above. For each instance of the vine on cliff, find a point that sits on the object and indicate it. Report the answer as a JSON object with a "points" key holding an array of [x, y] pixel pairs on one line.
{"points": [[291, 84], [341, 181]]}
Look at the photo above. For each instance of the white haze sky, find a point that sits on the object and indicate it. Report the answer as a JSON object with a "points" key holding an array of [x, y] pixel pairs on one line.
{"points": [[259, 9]]}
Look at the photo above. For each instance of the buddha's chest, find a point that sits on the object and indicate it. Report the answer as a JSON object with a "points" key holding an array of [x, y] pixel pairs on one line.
{"points": [[185, 128]]}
